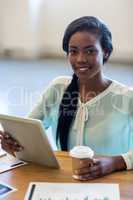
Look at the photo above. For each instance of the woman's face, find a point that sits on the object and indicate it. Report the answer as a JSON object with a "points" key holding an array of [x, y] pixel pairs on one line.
{"points": [[85, 54]]}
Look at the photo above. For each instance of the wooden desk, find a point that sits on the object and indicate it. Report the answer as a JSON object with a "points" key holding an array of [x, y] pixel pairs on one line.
{"points": [[20, 178]]}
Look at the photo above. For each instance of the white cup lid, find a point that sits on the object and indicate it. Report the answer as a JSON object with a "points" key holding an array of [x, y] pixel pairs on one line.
{"points": [[81, 152]]}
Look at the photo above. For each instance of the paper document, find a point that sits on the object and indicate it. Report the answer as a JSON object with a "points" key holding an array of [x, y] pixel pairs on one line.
{"points": [[72, 191], [9, 162], [5, 189], [2, 152]]}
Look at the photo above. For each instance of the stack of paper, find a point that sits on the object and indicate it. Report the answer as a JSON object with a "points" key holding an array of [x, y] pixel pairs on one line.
{"points": [[72, 191]]}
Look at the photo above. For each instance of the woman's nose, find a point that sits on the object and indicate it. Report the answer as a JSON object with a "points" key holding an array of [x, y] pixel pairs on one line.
{"points": [[81, 57]]}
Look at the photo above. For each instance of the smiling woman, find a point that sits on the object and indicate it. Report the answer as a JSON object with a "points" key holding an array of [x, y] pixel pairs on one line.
{"points": [[81, 37], [88, 108]]}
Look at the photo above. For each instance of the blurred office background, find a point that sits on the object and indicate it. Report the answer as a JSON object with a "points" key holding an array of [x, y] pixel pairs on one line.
{"points": [[31, 53]]}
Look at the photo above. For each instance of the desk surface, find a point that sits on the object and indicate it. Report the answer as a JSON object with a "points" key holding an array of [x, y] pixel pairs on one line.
{"points": [[20, 178]]}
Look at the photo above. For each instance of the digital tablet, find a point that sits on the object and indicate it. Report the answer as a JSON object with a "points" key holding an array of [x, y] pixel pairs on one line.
{"points": [[31, 135]]}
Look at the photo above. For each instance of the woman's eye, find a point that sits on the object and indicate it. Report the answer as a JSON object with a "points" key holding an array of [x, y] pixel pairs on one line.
{"points": [[72, 51], [92, 51]]}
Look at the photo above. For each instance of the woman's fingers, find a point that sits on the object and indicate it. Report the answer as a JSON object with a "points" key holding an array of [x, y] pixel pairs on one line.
{"points": [[86, 163], [102, 166], [88, 173], [9, 144], [87, 166], [10, 140], [87, 170], [9, 149], [88, 176]]}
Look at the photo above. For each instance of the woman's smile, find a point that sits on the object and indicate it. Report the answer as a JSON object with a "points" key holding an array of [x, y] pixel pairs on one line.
{"points": [[83, 69]]}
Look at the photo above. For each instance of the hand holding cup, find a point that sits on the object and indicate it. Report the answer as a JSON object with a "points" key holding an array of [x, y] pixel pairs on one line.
{"points": [[82, 160]]}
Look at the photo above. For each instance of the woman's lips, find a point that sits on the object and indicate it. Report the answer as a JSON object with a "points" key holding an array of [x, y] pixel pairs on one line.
{"points": [[84, 69]]}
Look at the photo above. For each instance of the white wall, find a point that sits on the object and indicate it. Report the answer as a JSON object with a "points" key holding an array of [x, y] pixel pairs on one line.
{"points": [[16, 32], [43, 30]]}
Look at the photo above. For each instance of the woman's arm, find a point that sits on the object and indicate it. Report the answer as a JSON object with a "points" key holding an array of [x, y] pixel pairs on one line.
{"points": [[37, 111]]}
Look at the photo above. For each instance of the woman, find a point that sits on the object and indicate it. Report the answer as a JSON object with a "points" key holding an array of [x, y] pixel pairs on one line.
{"points": [[89, 108]]}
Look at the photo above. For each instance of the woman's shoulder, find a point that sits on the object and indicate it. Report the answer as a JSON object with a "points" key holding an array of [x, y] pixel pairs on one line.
{"points": [[58, 84], [55, 89], [120, 88], [122, 97], [61, 81]]}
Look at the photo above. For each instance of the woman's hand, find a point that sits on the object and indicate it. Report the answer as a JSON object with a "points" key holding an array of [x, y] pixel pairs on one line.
{"points": [[9, 144], [102, 166]]}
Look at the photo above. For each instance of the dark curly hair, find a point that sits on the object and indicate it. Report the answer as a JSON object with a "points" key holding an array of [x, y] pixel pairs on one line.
{"points": [[67, 109]]}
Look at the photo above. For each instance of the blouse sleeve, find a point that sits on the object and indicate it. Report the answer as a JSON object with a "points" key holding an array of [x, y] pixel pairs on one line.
{"points": [[128, 157], [51, 97], [37, 111], [42, 109]]}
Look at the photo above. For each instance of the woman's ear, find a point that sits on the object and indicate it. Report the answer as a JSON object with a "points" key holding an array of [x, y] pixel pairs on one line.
{"points": [[105, 54]]}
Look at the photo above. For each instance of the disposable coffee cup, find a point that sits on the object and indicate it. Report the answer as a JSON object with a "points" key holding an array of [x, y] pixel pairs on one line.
{"points": [[80, 153]]}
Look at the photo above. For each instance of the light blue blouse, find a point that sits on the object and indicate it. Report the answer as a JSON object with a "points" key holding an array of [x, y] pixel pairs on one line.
{"points": [[104, 123]]}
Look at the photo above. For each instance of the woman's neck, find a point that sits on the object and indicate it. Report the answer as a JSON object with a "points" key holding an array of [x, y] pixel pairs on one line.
{"points": [[92, 87]]}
